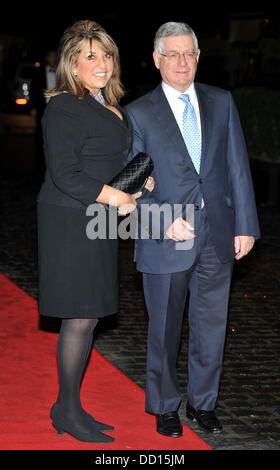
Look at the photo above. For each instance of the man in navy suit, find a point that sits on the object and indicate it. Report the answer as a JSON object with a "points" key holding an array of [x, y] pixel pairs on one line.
{"points": [[196, 253]]}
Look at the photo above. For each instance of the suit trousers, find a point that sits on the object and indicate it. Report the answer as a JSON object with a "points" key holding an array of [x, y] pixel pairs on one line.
{"points": [[208, 282]]}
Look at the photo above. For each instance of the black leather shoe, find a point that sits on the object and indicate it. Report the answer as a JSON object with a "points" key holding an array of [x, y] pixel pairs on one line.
{"points": [[169, 424], [205, 419]]}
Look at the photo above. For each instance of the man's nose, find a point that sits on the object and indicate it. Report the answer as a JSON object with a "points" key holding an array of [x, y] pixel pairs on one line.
{"points": [[183, 59]]}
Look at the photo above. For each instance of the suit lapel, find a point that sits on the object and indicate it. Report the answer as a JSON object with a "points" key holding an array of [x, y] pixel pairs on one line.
{"points": [[166, 118], [205, 110], [99, 108]]}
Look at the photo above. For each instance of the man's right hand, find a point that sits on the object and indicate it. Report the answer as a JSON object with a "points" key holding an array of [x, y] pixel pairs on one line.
{"points": [[180, 231]]}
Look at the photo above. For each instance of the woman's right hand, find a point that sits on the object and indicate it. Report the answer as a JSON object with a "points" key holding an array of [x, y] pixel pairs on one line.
{"points": [[125, 202], [128, 206]]}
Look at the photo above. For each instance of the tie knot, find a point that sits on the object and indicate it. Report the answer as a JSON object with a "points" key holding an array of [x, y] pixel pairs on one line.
{"points": [[185, 97]]}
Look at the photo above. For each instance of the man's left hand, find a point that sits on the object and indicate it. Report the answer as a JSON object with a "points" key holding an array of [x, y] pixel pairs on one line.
{"points": [[243, 244], [150, 184]]}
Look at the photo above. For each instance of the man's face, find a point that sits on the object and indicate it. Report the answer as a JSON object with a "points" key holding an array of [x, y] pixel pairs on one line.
{"points": [[51, 58], [178, 72]]}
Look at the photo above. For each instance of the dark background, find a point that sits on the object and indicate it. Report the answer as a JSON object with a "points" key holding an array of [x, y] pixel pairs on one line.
{"points": [[133, 25], [240, 51]]}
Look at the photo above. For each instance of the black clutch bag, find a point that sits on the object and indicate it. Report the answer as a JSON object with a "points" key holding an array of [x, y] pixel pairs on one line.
{"points": [[134, 175]]}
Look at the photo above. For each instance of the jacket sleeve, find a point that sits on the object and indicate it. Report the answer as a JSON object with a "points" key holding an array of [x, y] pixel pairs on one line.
{"points": [[64, 128], [154, 218], [246, 219]]}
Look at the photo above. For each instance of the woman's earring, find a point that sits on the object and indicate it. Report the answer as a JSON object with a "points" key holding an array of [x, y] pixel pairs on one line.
{"points": [[75, 72]]}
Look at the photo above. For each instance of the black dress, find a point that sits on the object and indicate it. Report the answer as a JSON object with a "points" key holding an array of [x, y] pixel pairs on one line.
{"points": [[86, 145]]}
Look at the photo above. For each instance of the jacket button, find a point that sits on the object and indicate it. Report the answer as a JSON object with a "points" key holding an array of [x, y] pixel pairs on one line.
{"points": [[196, 208], [200, 180]]}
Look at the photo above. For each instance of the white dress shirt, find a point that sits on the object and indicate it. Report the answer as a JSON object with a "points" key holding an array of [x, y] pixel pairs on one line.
{"points": [[178, 105], [50, 79]]}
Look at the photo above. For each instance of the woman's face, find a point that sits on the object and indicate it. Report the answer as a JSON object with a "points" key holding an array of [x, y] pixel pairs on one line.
{"points": [[94, 67]]}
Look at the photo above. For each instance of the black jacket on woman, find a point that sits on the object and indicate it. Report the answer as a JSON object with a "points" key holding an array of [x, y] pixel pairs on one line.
{"points": [[86, 145]]}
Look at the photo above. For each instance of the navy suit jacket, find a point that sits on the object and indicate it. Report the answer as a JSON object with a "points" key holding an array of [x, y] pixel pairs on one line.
{"points": [[224, 182]]}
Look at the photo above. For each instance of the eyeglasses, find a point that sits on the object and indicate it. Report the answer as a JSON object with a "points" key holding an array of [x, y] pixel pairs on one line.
{"points": [[174, 56]]}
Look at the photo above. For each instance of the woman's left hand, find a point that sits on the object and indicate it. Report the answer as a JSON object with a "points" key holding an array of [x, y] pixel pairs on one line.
{"points": [[150, 184]]}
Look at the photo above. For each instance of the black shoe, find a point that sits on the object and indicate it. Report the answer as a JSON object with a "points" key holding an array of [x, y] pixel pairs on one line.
{"points": [[97, 424], [63, 426], [205, 419], [169, 424]]}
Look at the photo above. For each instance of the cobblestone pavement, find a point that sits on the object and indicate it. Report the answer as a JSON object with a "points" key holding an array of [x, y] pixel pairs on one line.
{"points": [[249, 400]]}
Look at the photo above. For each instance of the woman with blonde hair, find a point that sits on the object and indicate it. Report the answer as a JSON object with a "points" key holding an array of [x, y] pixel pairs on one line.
{"points": [[87, 137]]}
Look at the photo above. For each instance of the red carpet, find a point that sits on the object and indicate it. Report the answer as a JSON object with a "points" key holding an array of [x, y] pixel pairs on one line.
{"points": [[28, 377]]}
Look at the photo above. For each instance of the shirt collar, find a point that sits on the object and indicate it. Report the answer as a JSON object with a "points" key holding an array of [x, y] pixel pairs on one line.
{"points": [[100, 98], [50, 69], [172, 93]]}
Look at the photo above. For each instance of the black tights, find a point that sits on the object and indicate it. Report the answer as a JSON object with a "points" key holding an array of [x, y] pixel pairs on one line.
{"points": [[73, 348]]}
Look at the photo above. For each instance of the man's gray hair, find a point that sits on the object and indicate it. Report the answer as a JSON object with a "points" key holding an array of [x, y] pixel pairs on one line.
{"points": [[173, 29]]}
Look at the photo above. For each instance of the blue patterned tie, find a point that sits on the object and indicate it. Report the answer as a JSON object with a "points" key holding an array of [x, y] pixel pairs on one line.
{"points": [[191, 132]]}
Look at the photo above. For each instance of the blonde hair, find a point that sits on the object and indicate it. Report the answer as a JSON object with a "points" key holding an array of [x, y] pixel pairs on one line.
{"points": [[71, 44]]}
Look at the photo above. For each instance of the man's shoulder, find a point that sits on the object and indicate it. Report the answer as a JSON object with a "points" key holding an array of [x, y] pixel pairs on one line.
{"points": [[143, 101], [211, 89]]}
